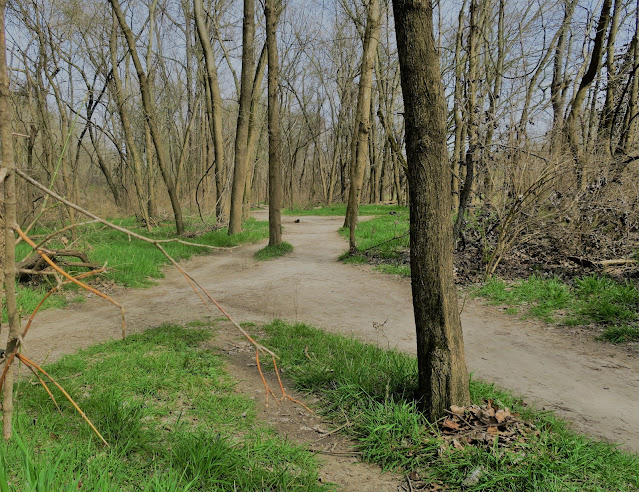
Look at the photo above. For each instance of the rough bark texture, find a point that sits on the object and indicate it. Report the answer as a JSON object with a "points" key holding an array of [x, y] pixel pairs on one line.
{"points": [[9, 198], [443, 379], [241, 136], [274, 133]]}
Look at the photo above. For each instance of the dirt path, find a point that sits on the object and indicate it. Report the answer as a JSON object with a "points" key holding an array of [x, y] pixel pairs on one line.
{"points": [[594, 385]]}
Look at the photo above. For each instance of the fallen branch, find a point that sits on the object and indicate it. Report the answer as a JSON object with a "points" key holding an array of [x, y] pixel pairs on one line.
{"points": [[44, 256], [202, 293], [28, 362]]}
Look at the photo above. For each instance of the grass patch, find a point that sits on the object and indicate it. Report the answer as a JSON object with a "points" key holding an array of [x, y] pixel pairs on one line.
{"points": [[384, 237], [340, 209], [134, 263], [620, 334], [592, 299], [401, 270], [370, 390], [170, 414], [270, 252]]}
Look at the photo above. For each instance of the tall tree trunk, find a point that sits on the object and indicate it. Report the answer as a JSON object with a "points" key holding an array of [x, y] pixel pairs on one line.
{"points": [[274, 134], [359, 155], [473, 121], [243, 117], [576, 145], [253, 133], [605, 133], [8, 184], [133, 152], [215, 101], [630, 129], [149, 114], [443, 379], [459, 146]]}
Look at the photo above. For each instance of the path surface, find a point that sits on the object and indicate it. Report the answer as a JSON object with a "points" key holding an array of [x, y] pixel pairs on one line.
{"points": [[594, 385]]}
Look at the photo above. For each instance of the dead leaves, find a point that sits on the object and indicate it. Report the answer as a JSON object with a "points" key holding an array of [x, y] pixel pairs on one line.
{"points": [[484, 426]]}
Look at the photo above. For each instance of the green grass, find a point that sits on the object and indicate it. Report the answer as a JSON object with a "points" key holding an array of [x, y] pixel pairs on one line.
{"points": [[134, 263], [340, 209], [592, 299], [270, 252], [170, 414], [385, 236], [370, 391]]}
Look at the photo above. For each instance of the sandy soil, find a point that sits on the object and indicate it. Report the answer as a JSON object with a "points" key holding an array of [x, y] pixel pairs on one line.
{"points": [[592, 384]]}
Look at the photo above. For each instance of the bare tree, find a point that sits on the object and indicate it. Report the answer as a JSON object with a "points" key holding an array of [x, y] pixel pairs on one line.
{"points": [[274, 133], [149, 113], [8, 184], [359, 155], [242, 132], [443, 379]]}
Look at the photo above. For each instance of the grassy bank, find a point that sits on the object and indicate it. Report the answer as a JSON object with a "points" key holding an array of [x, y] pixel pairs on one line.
{"points": [[590, 300], [133, 263], [170, 414], [370, 391]]}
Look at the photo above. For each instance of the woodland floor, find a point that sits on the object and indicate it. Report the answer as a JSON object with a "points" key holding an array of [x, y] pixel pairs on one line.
{"points": [[592, 384]]}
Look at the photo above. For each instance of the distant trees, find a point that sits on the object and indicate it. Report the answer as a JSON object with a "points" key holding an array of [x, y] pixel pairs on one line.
{"points": [[542, 102]]}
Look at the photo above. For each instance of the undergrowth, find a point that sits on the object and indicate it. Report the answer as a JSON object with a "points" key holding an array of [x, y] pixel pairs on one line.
{"points": [[369, 391], [170, 414]]}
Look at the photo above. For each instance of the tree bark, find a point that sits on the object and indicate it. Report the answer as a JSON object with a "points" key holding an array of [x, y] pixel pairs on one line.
{"points": [[7, 169], [274, 133], [359, 154], [149, 114], [241, 135], [215, 121], [443, 379]]}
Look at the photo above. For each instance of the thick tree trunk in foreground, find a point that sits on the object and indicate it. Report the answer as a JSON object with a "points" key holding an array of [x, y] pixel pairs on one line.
{"points": [[274, 134], [7, 167], [443, 379]]}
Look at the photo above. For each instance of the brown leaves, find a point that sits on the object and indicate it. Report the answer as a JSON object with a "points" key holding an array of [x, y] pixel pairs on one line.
{"points": [[483, 426]]}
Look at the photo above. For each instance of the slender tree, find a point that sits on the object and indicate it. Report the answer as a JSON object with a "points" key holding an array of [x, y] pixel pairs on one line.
{"points": [[215, 102], [8, 181], [149, 114], [243, 118], [359, 153], [274, 133], [443, 379]]}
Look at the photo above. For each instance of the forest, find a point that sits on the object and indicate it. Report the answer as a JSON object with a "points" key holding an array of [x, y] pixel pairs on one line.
{"points": [[417, 167]]}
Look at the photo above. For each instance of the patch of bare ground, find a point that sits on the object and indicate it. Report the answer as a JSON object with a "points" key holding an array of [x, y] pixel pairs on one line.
{"points": [[337, 453]]}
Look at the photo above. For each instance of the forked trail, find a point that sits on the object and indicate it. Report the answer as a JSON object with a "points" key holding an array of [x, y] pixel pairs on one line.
{"points": [[594, 385]]}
